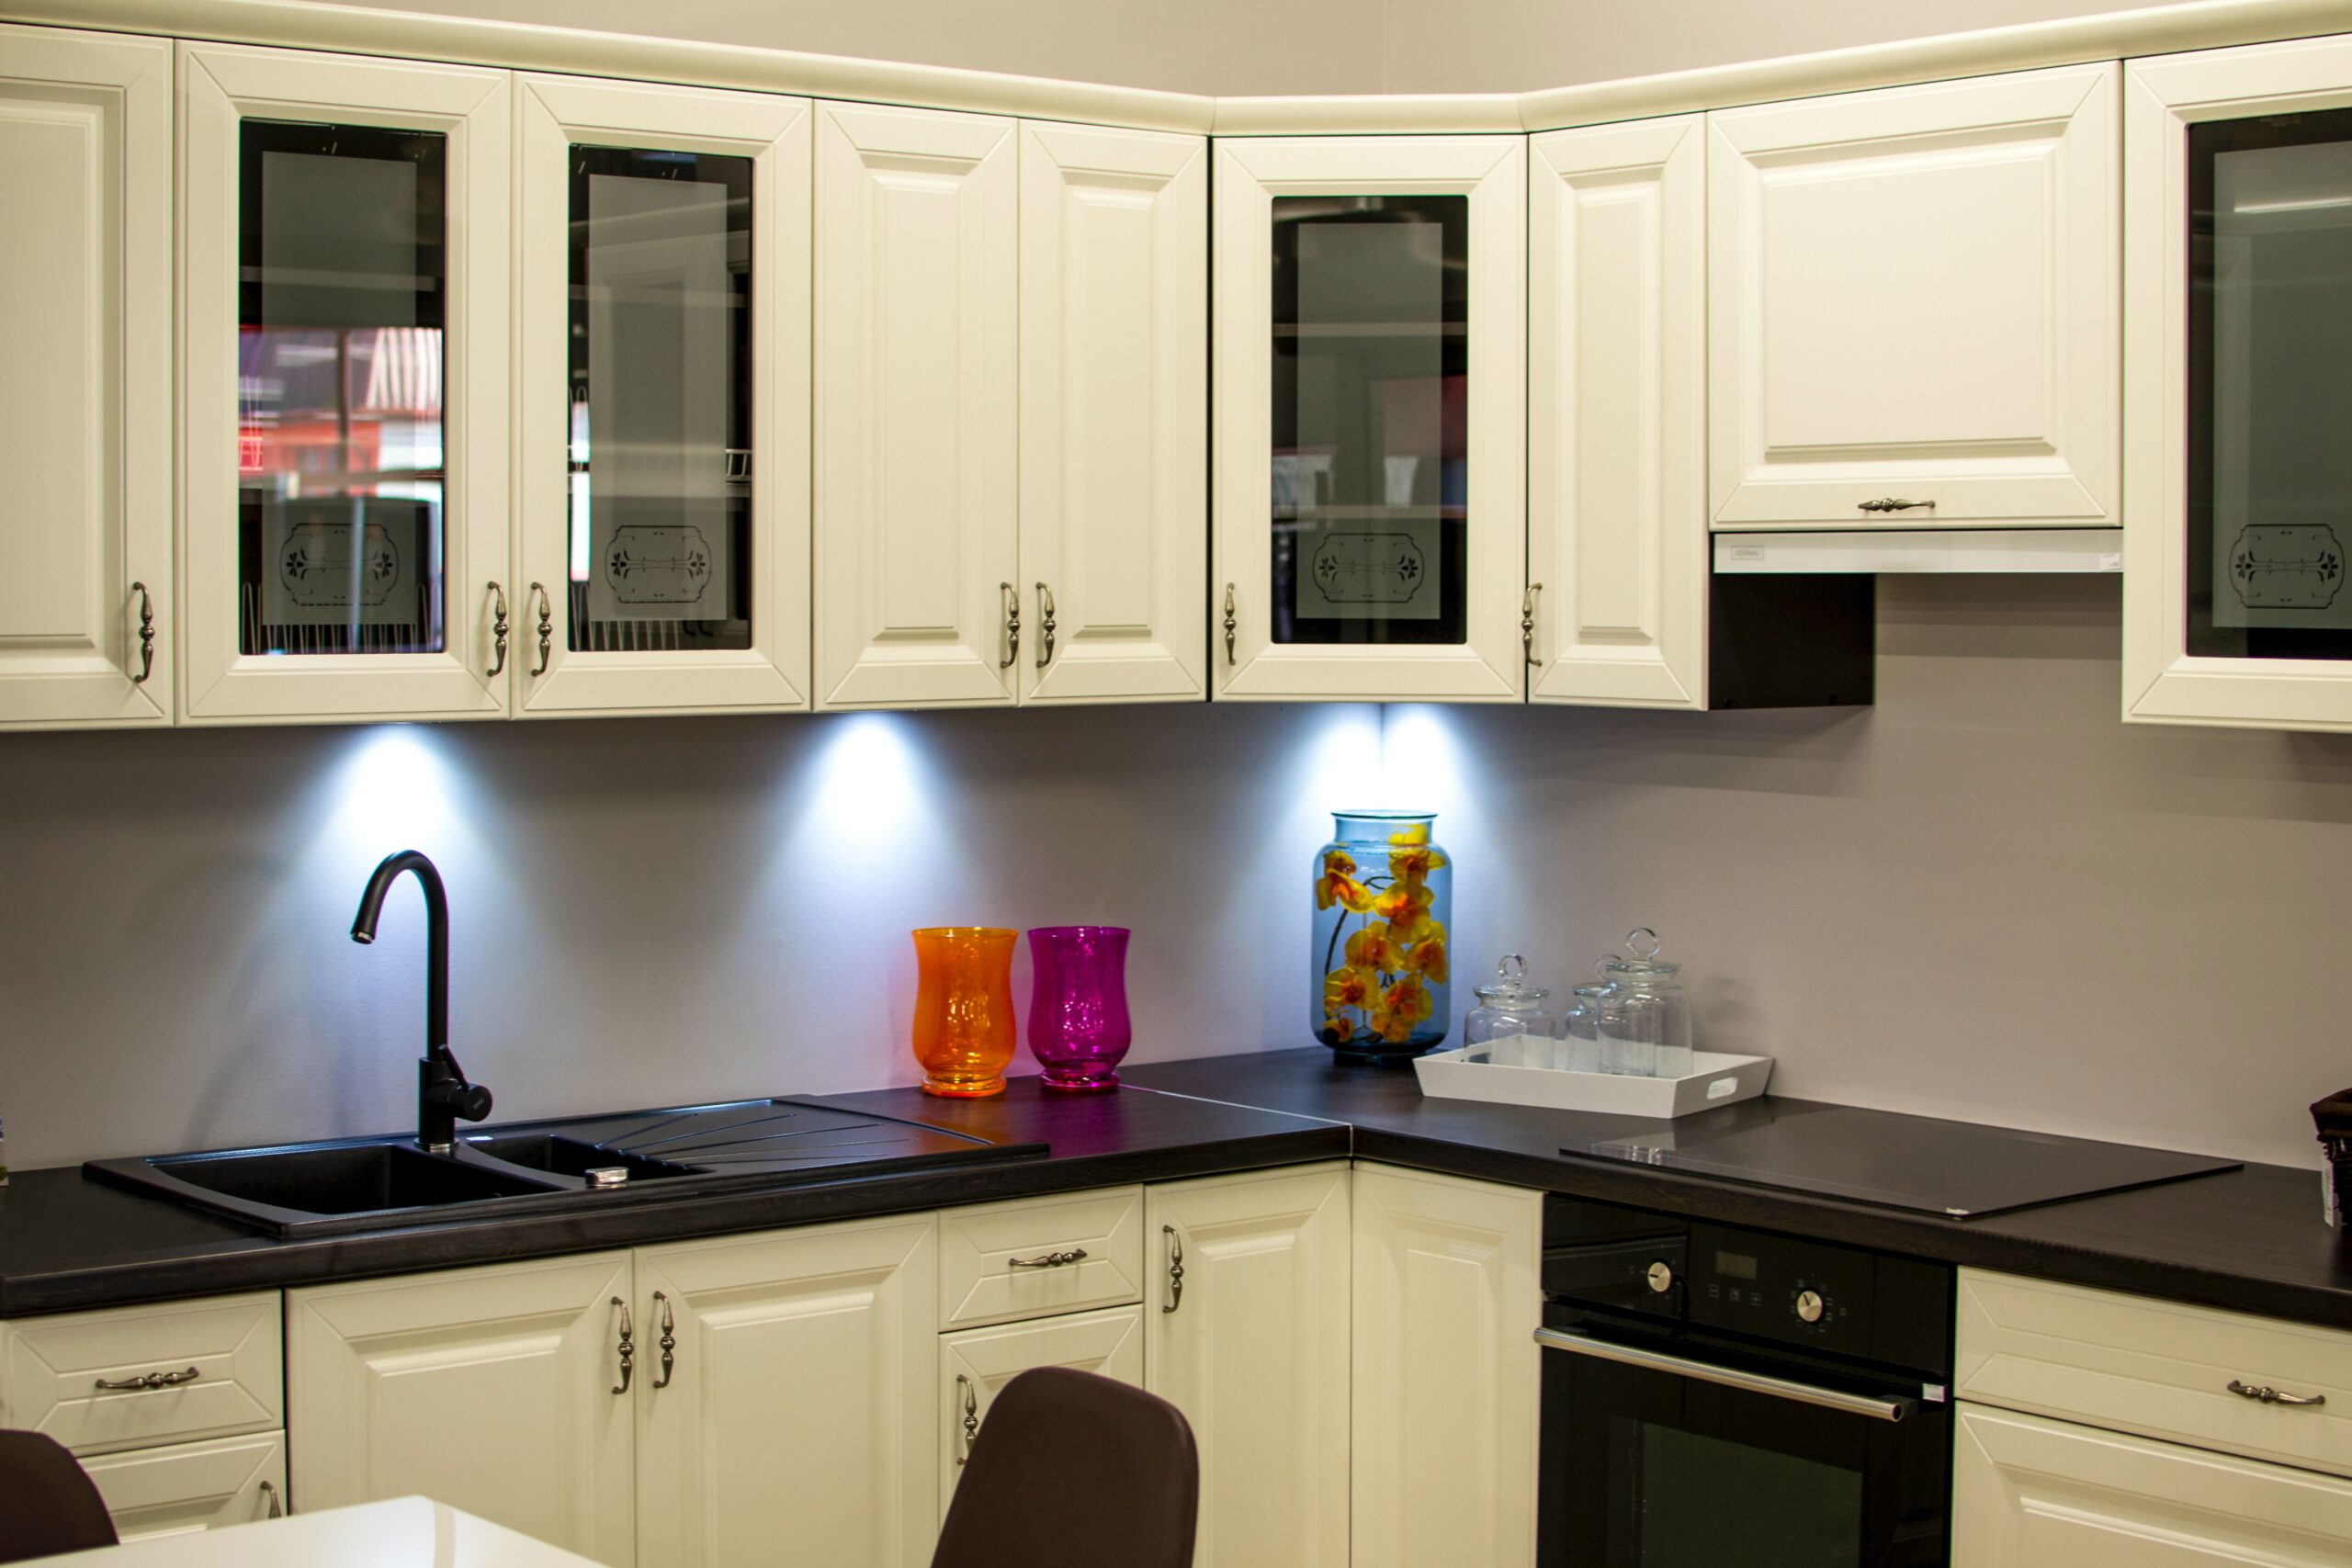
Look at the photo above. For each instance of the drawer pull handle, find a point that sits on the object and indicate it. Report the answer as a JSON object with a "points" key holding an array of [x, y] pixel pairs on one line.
{"points": [[971, 1416], [1049, 1261], [1893, 503], [269, 1495], [148, 1381], [2262, 1395]]}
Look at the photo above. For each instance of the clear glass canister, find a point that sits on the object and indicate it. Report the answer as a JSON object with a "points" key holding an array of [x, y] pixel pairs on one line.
{"points": [[1510, 1019], [1646, 1025], [1581, 1029]]}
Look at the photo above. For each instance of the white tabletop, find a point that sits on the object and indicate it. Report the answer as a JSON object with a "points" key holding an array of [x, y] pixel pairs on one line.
{"points": [[407, 1532]]}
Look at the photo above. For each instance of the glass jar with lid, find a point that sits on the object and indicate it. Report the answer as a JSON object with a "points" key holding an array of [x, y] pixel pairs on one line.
{"points": [[1645, 1026], [1510, 1021]]}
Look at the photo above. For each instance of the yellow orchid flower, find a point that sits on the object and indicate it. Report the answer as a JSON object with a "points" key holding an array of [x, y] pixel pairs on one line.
{"points": [[1338, 1027], [1350, 988], [1418, 833], [1370, 948], [1402, 904], [1392, 1027], [1415, 864], [1408, 999], [1427, 957], [1338, 885]]}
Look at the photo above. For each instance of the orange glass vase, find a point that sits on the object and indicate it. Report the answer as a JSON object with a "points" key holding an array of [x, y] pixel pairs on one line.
{"points": [[963, 1023]]}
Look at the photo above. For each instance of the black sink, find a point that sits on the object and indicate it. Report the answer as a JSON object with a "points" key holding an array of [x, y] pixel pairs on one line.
{"points": [[571, 1157], [344, 1179]]}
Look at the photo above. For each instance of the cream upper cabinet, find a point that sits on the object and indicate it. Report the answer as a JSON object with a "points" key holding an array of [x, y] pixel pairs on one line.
{"points": [[790, 1423], [917, 421], [662, 387], [86, 533], [1913, 305], [344, 265], [2237, 273], [1617, 557], [976, 1363], [499, 1391], [1370, 430], [1113, 414], [1246, 1324]]}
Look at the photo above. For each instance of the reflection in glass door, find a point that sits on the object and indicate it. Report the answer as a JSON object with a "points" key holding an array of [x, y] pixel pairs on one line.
{"points": [[659, 418], [342, 291]]}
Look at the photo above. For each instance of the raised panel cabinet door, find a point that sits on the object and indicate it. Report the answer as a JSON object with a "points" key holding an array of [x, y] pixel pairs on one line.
{"points": [[2298, 87], [1617, 556], [1246, 1332], [85, 404], [975, 1364], [662, 547], [502, 1392], [1913, 305], [344, 354], [1369, 419], [917, 573], [1114, 228], [2028, 1493], [181, 1488], [792, 1421], [1447, 1303]]}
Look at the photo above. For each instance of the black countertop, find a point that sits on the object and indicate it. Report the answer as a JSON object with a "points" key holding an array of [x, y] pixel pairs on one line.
{"points": [[2251, 1240]]}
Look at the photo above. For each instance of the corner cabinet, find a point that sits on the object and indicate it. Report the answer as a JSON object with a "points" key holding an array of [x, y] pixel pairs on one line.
{"points": [[2238, 287], [1912, 306], [662, 540], [86, 535], [344, 226], [1370, 347]]}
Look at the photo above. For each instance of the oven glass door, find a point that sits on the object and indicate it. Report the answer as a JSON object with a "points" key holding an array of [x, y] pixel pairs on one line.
{"points": [[1645, 1467]]}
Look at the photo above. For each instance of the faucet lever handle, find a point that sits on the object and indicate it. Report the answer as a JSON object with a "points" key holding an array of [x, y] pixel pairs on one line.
{"points": [[467, 1102]]}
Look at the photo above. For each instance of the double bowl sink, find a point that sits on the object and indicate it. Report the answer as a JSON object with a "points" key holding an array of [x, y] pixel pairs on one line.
{"points": [[350, 1185]]}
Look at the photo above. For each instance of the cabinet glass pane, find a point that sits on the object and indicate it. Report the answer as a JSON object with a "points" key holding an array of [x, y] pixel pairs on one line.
{"points": [[661, 414], [1371, 357], [2269, 338], [341, 295]]}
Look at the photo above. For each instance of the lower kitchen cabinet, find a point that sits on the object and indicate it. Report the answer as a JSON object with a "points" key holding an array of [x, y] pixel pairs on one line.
{"points": [[2029, 1492], [499, 1391], [1246, 1333], [1447, 1303], [975, 1364], [192, 1487], [790, 1424]]}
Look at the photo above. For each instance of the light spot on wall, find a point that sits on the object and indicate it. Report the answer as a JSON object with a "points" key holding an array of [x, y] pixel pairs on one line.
{"points": [[869, 783]]}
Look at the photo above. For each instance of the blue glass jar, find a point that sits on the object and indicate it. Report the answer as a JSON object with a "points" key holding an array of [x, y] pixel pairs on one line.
{"points": [[1378, 964]]}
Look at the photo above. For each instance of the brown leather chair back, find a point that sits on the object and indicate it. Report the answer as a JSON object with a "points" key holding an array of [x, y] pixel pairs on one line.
{"points": [[1075, 1470], [47, 1504]]}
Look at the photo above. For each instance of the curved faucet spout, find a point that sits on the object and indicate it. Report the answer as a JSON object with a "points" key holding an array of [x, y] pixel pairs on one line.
{"points": [[436, 936]]}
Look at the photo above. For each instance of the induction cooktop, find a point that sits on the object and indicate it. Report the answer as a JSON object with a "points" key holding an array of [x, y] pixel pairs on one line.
{"points": [[1955, 1169]]}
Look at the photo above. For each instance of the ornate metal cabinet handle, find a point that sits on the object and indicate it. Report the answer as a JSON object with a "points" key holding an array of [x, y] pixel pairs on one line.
{"points": [[1047, 1261], [146, 634], [669, 1341], [547, 629], [971, 1415], [628, 1348], [1175, 1269], [277, 1510], [1045, 626], [148, 1381], [2272, 1397], [1231, 622], [1527, 625], [497, 629], [1012, 626], [1892, 503]]}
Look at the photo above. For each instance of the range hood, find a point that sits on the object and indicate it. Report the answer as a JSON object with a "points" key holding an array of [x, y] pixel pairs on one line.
{"points": [[1774, 551]]}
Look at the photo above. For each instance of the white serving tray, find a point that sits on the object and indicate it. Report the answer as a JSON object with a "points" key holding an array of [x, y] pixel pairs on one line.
{"points": [[1466, 1073]]}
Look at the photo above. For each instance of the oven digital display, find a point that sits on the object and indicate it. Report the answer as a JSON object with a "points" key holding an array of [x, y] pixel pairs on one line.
{"points": [[1735, 1266]]}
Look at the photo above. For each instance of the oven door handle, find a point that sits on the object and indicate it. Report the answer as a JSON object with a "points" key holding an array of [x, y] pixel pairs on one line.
{"points": [[1877, 1410]]}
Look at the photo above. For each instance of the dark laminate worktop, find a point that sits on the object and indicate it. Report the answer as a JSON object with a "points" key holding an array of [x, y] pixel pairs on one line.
{"points": [[2251, 1240], [68, 1243]]}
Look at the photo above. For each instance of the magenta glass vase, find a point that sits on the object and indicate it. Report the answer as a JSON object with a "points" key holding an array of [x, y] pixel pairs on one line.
{"points": [[1078, 1008]]}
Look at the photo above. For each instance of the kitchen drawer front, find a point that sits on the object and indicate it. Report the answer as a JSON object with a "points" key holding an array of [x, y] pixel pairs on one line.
{"points": [[50, 1377], [2157, 1368], [976, 1363], [993, 1263], [193, 1486]]}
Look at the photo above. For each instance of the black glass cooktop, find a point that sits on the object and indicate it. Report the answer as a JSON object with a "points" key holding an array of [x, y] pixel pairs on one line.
{"points": [[1903, 1162]]}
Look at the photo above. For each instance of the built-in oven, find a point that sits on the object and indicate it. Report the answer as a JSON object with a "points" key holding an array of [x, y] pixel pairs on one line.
{"points": [[1717, 1397]]}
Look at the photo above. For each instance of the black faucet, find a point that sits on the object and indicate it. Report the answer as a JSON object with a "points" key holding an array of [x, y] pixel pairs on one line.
{"points": [[442, 1092]]}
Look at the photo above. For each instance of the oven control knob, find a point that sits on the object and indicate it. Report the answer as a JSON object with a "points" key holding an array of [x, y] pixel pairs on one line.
{"points": [[1661, 1277], [1810, 1307]]}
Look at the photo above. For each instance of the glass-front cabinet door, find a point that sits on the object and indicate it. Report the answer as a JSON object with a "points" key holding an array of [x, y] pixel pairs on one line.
{"points": [[344, 226], [664, 539], [2238, 480], [1370, 418]]}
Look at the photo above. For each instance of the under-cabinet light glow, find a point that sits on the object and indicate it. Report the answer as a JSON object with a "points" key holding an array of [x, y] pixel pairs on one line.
{"points": [[395, 792], [2310, 204], [867, 781]]}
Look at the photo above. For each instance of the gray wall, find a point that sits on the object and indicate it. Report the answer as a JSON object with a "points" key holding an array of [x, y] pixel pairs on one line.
{"points": [[1981, 897]]}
